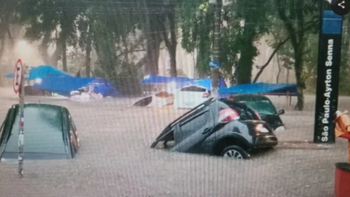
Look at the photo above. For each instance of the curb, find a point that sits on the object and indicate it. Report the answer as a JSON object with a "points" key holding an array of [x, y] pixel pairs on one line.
{"points": [[306, 145]]}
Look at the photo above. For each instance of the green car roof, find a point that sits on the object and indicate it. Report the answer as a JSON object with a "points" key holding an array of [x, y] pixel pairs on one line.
{"points": [[46, 132]]}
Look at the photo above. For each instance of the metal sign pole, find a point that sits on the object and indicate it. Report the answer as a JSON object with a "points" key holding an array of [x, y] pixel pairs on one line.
{"points": [[21, 129], [18, 86]]}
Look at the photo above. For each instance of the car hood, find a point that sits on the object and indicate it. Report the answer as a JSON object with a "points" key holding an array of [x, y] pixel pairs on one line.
{"points": [[273, 120]]}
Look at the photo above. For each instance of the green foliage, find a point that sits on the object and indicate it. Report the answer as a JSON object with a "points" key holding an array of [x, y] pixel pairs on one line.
{"points": [[196, 19], [197, 24], [110, 28]]}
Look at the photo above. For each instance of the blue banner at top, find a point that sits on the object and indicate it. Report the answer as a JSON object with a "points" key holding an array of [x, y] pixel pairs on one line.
{"points": [[332, 23]]}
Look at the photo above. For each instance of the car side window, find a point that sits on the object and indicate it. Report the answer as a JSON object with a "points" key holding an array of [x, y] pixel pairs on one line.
{"points": [[190, 126]]}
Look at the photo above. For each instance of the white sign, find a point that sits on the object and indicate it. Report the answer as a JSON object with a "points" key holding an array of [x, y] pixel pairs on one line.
{"points": [[328, 91]]}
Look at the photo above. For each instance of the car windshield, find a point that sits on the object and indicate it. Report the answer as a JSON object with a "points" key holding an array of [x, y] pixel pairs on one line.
{"points": [[261, 106], [43, 132]]}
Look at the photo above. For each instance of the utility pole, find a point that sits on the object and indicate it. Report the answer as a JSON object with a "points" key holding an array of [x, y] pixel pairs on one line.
{"points": [[214, 64]]}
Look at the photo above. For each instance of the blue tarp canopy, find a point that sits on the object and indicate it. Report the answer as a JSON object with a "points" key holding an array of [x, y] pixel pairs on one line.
{"points": [[104, 87], [63, 85], [207, 83], [261, 88], [154, 79], [41, 72]]}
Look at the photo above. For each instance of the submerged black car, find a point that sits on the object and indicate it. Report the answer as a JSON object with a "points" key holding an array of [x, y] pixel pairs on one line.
{"points": [[263, 105], [49, 133], [216, 128]]}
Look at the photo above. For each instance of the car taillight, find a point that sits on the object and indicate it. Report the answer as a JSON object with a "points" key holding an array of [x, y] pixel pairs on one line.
{"points": [[205, 95], [257, 114], [227, 115]]}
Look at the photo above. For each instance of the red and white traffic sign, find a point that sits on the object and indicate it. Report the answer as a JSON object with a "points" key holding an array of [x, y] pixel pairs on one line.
{"points": [[18, 78]]}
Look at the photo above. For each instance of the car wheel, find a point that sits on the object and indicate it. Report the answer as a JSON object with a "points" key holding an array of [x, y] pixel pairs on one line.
{"points": [[234, 152]]}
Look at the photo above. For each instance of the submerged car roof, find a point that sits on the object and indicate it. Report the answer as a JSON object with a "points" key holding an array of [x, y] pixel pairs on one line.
{"points": [[46, 132]]}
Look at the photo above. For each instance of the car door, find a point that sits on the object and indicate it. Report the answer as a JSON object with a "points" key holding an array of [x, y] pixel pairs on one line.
{"points": [[192, 131]]}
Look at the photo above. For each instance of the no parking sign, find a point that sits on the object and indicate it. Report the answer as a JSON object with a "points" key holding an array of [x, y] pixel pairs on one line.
{"points": [[18, 78]]}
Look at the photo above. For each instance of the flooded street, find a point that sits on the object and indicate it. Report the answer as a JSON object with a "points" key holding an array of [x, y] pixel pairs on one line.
{"points": [[115, 160]]}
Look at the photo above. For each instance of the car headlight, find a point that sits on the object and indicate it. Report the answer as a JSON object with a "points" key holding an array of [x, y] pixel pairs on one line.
{"points": [[261, 129]]}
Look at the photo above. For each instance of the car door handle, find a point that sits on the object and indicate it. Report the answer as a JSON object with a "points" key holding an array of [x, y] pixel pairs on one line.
{"points": [[206, 130]]}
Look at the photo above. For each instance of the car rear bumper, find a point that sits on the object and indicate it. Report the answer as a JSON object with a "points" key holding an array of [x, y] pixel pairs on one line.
{"points": [[265, 141]]}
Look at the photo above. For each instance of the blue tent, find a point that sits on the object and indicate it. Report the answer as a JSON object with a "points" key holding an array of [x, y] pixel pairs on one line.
{"points": [[154, 79], [41, 72], [104, 87], [207, 83], [63, 85], [261, 88]]}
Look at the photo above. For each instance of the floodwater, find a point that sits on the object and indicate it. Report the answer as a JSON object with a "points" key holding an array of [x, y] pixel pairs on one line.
{"points": [[115, 159]]}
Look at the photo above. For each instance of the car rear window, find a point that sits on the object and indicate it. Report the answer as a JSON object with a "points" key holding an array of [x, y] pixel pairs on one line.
{"points": [[42, 132], [244, 113], [193, 89]]}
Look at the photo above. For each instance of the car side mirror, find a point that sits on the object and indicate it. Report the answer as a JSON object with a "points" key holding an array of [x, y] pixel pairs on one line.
{"points": [[281, 111]]}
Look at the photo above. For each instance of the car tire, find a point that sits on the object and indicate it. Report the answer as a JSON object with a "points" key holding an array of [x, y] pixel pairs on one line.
{"points": [[234, 152]]}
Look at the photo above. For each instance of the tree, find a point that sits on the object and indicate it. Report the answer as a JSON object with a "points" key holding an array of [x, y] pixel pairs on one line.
{"points": [[254, 15], [197, 21], [170, 43], [294, 15], [44, 17], [7, 17]]}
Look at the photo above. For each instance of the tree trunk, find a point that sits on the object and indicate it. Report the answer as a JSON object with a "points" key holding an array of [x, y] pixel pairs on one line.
{"points": [[88, 53], [64, 57], [243, 72], [44, 46], [173, 71], [3, 28], [298, 67], [2, 47], [56, 56], [279, 68], [152, 54], [173, 46], [152, 47], [153, 37]]}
